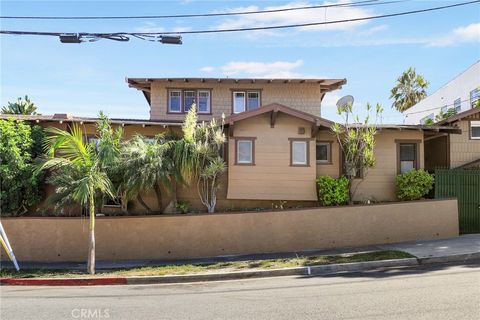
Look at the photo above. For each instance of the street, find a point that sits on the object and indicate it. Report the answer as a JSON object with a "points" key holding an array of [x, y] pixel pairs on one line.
{"points": [[439, 292]]}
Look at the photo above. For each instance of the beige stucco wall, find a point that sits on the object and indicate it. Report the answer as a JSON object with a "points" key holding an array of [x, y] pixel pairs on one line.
{"points": [[463, 149], [271, 177], [379, 182], [301, 96], [206, 235]]}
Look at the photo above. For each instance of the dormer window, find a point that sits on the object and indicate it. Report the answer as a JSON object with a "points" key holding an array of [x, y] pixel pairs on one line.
{"points": [[244, 100], [180, 101]]}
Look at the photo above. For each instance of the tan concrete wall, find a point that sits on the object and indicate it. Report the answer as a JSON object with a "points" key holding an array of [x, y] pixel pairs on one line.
{"points": [[206, 235], [305, 97], [463, 149], [271, 177], [379, 182]]}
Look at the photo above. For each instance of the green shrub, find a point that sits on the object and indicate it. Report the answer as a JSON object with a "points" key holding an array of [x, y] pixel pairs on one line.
{"points": [[332, 191], [414, 184]]}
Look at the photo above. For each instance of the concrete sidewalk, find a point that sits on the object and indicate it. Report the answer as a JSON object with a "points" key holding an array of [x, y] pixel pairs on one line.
{"points": [[446, 249]]}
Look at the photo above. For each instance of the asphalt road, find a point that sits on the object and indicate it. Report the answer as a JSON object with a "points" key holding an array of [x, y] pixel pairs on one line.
{"points": [[442, 292]]}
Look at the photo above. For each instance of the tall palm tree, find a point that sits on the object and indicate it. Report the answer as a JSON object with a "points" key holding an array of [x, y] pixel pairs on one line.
{"points": [[409, 89], [79, 168], [21, 106]]}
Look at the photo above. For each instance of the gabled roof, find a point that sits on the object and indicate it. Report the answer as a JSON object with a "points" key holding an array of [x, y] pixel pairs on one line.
{"points": [[460, 116], [274, 108]]}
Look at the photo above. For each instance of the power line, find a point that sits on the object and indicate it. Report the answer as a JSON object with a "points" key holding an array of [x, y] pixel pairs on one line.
{"points": [[436, 108], [299, 25], [197, 15], [153, 36]]}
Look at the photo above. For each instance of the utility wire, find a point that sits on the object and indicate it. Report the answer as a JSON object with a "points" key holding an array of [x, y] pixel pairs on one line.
{"points": [[197, 15], [436, 108], [146, 34], [324, 22]]}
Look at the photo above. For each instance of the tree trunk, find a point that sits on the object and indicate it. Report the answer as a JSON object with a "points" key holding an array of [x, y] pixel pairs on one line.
{"points": [[91, 236], [350, 190], [140, 200], [158, 193]]}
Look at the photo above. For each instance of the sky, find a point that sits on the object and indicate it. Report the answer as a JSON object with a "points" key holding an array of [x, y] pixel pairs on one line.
{"points": [[83, 79]]}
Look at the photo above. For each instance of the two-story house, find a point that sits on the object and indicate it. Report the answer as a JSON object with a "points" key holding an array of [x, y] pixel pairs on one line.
{"points": [[278, 143]]}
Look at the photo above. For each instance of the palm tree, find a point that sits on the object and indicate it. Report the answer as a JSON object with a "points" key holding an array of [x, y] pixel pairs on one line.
{"points": [[145, 166], [21, 106], [409, 90], [79, 171]]}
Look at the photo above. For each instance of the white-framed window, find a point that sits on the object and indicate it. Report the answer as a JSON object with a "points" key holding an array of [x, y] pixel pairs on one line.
{"points": [[203, 101], [475, 130], [444, 109], [474, 97], [238, 101], [244, 150], [323, 152], [299, 153], [457, 104], [245, 100], [175, 101], [188, 99], [253, 100]]}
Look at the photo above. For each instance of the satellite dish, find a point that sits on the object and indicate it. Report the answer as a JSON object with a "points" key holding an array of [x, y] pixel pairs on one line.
{"points": [[344, 101]]}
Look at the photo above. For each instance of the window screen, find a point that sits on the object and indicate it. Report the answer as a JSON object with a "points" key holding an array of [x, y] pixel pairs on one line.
{"points": [[244, 151], [323, 152], [408, 155], [299, 152], [253, 100]]}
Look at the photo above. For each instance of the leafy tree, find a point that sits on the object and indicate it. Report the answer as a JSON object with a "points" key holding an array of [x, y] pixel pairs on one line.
{"points": [[197, 154], [20, 186], [79, 170], [357, 141], [445, 115], [21, 106], [145, 166], [409, 89]]}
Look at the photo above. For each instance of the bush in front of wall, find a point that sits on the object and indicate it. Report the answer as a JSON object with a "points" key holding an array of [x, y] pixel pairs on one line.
{"points": [[413, 184], [331, 191]]}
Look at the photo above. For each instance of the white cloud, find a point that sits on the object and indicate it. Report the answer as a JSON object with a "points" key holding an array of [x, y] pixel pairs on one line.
{"points": [[298, 16], [149, 27], [470, 33], [207, 69], [276, 69], [330, 100]]}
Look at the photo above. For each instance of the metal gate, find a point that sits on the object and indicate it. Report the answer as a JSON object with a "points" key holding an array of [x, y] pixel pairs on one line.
{"points": [[465, 186]]}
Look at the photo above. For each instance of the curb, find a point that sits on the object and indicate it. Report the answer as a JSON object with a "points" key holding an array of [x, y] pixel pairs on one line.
{"points": [[62, 281], [237, 275]]}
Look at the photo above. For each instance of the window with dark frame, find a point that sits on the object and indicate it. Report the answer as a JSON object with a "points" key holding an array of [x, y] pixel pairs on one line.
{"points": [[407, 156], [323, 152], [475, 130]]}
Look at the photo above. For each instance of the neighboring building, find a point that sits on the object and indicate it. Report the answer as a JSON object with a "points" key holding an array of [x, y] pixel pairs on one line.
{"points": [[461, 93], [277, 142], [456, 151]]}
